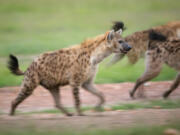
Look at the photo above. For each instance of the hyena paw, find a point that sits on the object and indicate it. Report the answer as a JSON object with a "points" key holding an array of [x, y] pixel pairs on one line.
{"points": [[11, 114], [81, 114], [69, 114], [166, 94], [131, 94]]}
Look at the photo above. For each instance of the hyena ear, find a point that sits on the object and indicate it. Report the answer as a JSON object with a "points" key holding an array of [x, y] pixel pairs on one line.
{"points": [[110, 36], [118, 25], [119, 31]]}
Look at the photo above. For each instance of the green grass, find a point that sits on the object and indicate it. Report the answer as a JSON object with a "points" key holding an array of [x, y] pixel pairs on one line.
{"points": [[139, 129], [163, 104], [136, 130], [149, 104], [54, 111], [29, 27], [123, 72], [36, 26]]}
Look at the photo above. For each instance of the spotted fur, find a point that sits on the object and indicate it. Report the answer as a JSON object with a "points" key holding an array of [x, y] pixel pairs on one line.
{"points": [[160, 51], [75, 66], [139, 41]]}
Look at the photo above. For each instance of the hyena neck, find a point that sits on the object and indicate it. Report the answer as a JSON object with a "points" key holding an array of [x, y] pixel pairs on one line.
{"points": [[99, 56], [97, 48], [100, 53]]}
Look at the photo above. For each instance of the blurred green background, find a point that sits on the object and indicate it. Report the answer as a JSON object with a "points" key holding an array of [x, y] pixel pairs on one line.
{"points": [[31, 27]]}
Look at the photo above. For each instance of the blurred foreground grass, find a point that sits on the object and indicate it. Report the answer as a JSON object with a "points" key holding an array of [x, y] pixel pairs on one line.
{"points": [[135, 130], [140, 128], [32, 27]]}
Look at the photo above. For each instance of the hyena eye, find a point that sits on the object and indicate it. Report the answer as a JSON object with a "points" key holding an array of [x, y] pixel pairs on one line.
{"points": [[120, 41]]}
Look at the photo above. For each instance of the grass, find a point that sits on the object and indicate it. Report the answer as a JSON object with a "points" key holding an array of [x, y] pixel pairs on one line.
{"points": [[54, 111], [137, 130], [33, 27], [149, 104], [123, 72], [163, 104]]}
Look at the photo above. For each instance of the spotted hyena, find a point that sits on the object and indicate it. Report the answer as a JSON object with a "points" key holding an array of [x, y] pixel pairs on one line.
{"points": [[75, 66], [139, 41], [160, 50]]}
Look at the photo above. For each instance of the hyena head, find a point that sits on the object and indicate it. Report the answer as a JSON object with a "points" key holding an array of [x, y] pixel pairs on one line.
{"points": [[155, 39], [115, 41]]}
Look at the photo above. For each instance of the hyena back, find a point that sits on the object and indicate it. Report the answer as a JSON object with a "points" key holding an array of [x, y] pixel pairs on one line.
{"points": [[139, 41], [75, 66]]}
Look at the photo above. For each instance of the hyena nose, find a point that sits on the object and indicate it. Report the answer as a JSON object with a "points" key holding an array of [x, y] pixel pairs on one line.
{"points": [[127, 47]]}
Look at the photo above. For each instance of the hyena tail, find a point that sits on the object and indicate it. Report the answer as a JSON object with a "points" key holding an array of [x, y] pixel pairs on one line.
{"points": [[13, 65]]}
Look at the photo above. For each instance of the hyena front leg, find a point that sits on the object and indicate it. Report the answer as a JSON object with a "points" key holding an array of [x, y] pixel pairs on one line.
{"points": [[173, 86], [75, 89], [153, 68], [115, 59], [55, 94], [28, 85], [89, 86]]}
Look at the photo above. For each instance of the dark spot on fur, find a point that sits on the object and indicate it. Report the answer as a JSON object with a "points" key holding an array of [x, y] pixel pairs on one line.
{"points": [[153, 35], [151, 45], [178, 49], [158, 50]]}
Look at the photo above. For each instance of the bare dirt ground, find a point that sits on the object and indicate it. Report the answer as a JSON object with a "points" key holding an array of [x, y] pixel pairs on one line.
{"points": [[114, 93]]}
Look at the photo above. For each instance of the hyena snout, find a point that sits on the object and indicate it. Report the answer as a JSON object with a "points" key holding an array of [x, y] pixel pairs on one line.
{"points": [[126, 47]]}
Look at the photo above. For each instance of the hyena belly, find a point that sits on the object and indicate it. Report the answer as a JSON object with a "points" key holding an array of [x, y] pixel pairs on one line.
{"points": [[178, 32], [50, 80], [173, 61], [53, 71]]}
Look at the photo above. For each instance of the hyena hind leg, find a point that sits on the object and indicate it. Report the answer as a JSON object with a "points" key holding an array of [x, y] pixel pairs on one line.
{"points": [[142, 80], [153, 68], [173, 86], [26, 90]]}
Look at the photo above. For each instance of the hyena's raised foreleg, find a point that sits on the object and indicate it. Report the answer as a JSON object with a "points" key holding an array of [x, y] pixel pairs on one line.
{"points": [[153, 68], [173, 86], [55, 94], [89, 86], [115, 59], [27, 87]]}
